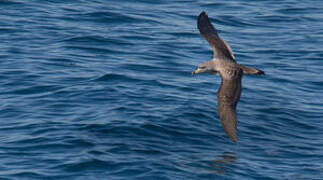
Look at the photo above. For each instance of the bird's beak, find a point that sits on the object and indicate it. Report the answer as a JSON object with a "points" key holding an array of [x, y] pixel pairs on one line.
{"points": [[196, 71]]}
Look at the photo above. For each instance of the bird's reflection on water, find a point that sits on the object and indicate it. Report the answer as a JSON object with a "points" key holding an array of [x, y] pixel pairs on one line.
{"points": [[222, 164]]}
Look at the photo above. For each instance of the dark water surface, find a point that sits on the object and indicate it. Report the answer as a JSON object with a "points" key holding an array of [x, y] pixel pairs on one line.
{"points": [[103, 90]]}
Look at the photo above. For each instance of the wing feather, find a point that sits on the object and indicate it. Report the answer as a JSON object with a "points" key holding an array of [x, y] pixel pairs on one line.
{"points": [[221, 49], [228, 97]]}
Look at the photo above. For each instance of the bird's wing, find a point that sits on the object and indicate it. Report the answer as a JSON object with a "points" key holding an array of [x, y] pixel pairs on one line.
{"points": [[228, 97], [220, 48]]}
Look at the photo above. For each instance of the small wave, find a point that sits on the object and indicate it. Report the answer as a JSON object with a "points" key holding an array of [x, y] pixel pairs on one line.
{"points": [[115, 77]]}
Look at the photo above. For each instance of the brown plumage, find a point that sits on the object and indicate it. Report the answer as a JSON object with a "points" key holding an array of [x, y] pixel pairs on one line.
{"points": [[224, 64], [220, 48]]}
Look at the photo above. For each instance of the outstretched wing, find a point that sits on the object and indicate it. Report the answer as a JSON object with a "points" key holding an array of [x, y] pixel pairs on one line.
{"points": [[228, 97], [221, 49]]}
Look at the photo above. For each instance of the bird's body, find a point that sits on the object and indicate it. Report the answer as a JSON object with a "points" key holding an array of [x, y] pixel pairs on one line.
{"points": [[224, 64]]}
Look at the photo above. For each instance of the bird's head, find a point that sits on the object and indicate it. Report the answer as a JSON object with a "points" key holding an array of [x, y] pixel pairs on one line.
{"points": [[206, 67]]}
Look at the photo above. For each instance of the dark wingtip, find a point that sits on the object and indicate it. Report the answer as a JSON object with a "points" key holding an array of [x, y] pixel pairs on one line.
{"points": [[202, 14], [202, 19], [261, 72]]}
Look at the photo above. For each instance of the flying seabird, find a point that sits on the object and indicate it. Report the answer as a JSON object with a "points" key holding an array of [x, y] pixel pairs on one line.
{"points": [[224, 64]]}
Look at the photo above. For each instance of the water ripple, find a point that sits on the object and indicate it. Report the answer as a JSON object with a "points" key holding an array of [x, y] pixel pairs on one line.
{"points": [[99, 90]]}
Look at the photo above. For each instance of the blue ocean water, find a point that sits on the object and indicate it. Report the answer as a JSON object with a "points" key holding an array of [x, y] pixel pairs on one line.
{"points": [[103, 90]]}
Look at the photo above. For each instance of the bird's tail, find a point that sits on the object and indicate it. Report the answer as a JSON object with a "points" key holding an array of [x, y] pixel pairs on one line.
{"points": [[251, 71]]}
